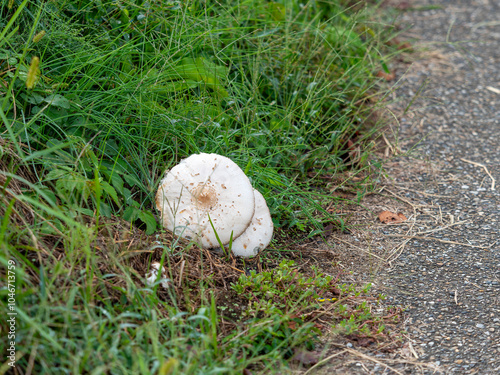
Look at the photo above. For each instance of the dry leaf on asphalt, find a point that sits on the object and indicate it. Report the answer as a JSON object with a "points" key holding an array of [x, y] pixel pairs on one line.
{"points": [[386, 76], [387, 217]]}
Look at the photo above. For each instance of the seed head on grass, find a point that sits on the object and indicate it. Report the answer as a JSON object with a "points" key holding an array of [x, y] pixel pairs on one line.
{"points": [[39, 36], [33, 73]]}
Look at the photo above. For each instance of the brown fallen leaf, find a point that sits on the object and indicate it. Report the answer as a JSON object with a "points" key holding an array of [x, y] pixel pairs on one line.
{"points": [[386, 76], [399, 44], [390, 217], [305, 357], [405, 46], [328, 230]]}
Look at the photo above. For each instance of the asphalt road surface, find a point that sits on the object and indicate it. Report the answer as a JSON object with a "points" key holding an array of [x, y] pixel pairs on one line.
{"points": [[451, 285]]}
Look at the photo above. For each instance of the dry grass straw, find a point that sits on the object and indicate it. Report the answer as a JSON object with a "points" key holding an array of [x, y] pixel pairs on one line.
{"points": [[193, 272], [418, 235], [485, 169], [387, 363]]}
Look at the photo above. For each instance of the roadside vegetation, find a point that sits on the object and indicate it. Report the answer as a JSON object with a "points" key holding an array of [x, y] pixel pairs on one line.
{"points": [[99, 98]]}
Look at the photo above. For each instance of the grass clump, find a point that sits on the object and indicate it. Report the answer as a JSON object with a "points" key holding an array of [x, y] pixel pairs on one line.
{"points": [[125, 91], [97, 99]]}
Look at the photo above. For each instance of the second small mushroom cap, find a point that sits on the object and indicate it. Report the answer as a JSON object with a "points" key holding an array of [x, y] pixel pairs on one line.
{"points": [[203, 185], [258, 234], [152, 275]]}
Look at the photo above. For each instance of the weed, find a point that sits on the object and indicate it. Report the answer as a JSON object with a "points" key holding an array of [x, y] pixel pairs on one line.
{"points": [[287, 292]]}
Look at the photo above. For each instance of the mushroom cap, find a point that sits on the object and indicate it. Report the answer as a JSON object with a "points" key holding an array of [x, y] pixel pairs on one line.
{"points": [[152, 275], [258, 234], [203, 185]]}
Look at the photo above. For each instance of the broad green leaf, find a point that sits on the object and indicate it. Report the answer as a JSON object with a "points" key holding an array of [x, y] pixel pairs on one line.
{"points": [[149, 219], [188, 73], [105, 209], [55, 174], [202, 70], [116, 181], [75, 182], [385, 67], [34, 98], [131, 213], [58, 101], [111, 191], [50, 197], [84, 211], [124, 16], [131, 179]]}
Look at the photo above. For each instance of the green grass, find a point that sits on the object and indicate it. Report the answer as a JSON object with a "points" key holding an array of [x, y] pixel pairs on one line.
{"points": [[123, 91]]}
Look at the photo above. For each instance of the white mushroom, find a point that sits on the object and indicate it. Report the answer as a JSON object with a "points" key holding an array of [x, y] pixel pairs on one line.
{"points": [[152, 275], [258, 234], [203, 185]]}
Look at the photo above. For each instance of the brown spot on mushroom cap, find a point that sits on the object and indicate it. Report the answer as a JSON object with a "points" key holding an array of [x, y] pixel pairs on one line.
{"points": [[205, 196]]}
